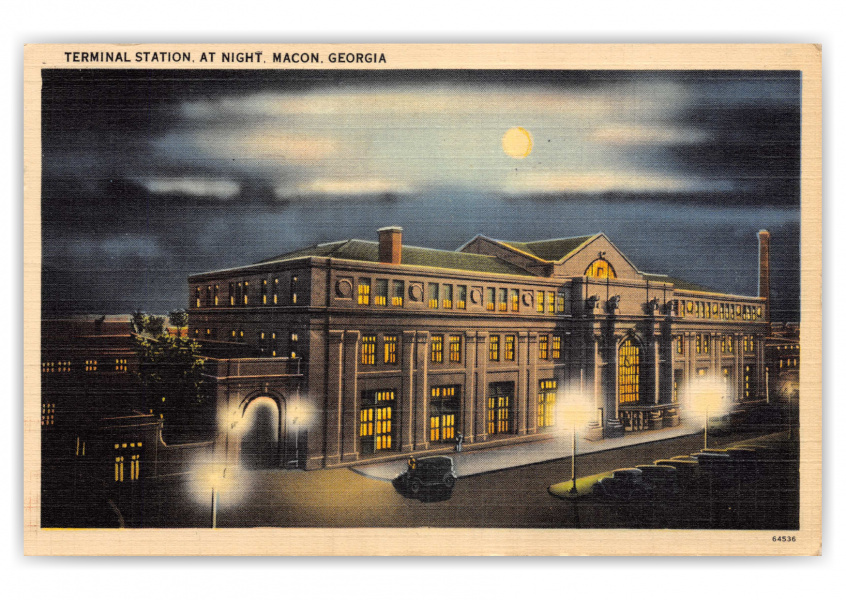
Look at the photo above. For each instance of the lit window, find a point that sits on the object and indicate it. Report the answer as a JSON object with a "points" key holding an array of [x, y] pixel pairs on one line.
{"points": [[461, 301], [437, 348], [561, 303], [543, 347], [48, 414], [433, 295], [197, 296], [390, 349], [539, 303], [399, 293], [275, 290], [503, 299], [231, 294], [364, 291], [368, 350], [556, 347], [515, 300], [381, 297], [508, 350], [706, 344], [628, 374], [546, 402], [216, 295], [550, 302], [446, 301], [490, 304], [455, 348], [376, 420], [493, 348], [264, 291], [295, 288], [295, 338], [443, 413], [246, 293], [601, 269], [698, 343], [118, 468], [91, 365]]}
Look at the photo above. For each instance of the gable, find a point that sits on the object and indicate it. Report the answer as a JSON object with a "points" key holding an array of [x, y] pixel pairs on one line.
{"points": [[597, 248]]}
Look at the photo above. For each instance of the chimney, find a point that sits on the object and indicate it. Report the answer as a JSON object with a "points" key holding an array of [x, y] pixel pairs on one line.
{"points": [[390, 245], [764, 270]]}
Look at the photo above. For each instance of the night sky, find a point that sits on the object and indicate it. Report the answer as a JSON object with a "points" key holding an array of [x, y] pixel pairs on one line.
{"points": [[149, 176]]}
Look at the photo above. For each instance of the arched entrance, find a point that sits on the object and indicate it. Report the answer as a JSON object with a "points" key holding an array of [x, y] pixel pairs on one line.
{"points": [[261, 428], [628, 372]]}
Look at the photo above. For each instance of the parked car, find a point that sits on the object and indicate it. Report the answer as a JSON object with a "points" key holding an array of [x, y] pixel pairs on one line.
{"points": [[432, 471], [660, 481], [622, 486]]}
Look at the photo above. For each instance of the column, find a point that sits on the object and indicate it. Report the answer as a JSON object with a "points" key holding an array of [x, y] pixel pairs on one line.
{"points": [[472, 404], [481, 386], [350, 402], [421, 391], [522, 388], [407, 392], [656, 366], [334, 397]]}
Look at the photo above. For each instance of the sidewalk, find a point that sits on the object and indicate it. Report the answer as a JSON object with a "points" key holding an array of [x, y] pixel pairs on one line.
{"points": [[507, 457]]}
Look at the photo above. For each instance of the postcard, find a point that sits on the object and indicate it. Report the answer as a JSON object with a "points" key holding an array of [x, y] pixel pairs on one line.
{"points": [[422, 299]]}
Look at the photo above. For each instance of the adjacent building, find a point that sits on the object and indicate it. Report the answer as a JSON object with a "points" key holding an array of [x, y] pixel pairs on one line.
{"points": [[371, 350]]}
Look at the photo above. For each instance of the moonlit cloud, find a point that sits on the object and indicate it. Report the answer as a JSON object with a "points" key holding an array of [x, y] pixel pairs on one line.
{"points": [[343, 188], [192, 186], [647, 135], [607, 181]]}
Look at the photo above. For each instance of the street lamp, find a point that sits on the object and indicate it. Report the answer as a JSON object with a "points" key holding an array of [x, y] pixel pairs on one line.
{"points": [[576, 412], [708, 397], [298, 415]]}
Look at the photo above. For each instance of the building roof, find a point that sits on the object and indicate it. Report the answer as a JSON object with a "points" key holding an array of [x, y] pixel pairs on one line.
{"points": [[411, 255], [550, 250], [679, 284]]}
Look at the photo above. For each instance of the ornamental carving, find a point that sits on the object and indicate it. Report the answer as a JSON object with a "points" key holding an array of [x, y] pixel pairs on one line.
{"points": [[343, 288]]}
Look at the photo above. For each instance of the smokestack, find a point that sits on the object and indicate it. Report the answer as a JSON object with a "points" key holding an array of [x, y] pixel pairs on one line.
{"points": [[764, 270], [390, 245]]}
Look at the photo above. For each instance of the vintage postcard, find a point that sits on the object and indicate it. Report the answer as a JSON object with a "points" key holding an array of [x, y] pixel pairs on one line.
{"points": [[423, 299]]}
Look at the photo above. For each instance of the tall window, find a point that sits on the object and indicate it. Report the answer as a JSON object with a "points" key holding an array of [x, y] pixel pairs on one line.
{"points": [[556, 347], [493, 348], [434, 297], [490, 303], [264, 291], [246, 297], [550, 302], [91, 365], [561, 303], [629, 372], [546, 402], [509, 347], [197, 297], [601, 268], [515, 300], [443, 413], [706, 344], [376, 420], [503, 299], [698, 343], [437, 348], [748, 382], [461, 301], [390, 349], [231, 294], [381, 297], [398, 294], [295, 345], [275, 290], [446, 301], [364, 291], [539, 301], [499, 416], [295, 288], [543, 347], [368, 350], [455, 348], [216, 294], [680, 345]]}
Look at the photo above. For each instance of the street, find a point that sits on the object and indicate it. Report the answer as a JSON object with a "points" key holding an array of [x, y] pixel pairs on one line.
{"points": [[512, 498]]}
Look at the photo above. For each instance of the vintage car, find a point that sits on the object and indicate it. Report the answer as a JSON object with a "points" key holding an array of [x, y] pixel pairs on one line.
{"points": [[623, 485], [432, 471]]}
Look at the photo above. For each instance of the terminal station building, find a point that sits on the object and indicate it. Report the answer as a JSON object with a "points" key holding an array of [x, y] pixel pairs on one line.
{"points": [[372, 350]]}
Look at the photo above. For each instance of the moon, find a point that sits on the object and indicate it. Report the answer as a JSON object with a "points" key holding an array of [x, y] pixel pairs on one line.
{"points": [[517, 142]]}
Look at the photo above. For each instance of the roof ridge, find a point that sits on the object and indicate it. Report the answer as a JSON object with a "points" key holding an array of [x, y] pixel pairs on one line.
{"points": [[572, 237]]}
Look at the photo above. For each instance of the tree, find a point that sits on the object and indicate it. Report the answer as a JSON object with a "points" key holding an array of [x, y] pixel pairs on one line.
{"points": [[171, 377], [179, 319], [155, 325], [139, 321]]}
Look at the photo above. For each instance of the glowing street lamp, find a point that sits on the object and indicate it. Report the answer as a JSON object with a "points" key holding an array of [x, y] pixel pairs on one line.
{"points": [[576, 412], [708, 397], [298, 414]]}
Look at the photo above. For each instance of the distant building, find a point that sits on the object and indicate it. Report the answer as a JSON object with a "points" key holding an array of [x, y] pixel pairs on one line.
{"points": [[378, 350], [782, 361]]}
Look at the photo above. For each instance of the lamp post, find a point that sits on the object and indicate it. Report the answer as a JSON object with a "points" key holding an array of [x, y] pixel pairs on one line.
{"points": [[573, 489]]}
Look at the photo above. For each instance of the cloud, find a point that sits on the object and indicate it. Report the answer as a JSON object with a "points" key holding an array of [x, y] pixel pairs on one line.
{"points": [[193, 186], [647, 135], [344, 187], [602, 182]]}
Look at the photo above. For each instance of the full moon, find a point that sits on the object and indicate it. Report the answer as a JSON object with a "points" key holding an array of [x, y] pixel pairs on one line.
{"points": [[517, 142]]}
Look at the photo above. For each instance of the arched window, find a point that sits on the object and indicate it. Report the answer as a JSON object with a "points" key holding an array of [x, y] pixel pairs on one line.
{"points": [[601, 268], [628, 381]]}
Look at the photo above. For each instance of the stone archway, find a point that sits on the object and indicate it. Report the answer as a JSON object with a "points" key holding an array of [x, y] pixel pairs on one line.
{"points": [[260, 430]]}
